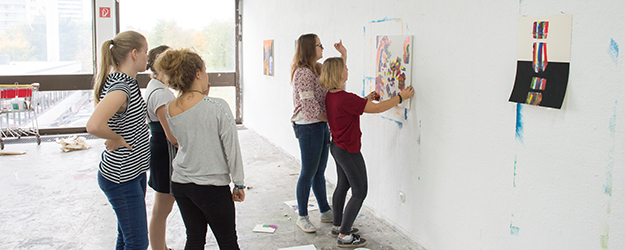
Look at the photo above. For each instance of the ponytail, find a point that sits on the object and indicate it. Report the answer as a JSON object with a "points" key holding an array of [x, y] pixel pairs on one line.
{"points": [[112, 53], [106, 64]]}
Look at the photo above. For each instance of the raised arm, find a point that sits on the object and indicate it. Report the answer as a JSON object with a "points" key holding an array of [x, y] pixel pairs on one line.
{"points": [[341, 49], [382, 106]]}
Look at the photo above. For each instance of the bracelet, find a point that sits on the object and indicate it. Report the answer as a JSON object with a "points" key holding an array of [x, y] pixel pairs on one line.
{"points": [[400, 99], [239, 186]]}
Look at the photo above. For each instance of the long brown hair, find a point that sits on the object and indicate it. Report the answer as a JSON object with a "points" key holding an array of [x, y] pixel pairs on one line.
{"points": [[180, 66], [114, 52], [305, 55]]}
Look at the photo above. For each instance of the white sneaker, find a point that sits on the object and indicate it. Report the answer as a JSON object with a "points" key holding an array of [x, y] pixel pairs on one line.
{"points": [[327, 216], [304, 223]]}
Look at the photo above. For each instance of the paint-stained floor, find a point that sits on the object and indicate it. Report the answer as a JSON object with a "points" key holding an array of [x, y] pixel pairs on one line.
{"points": [[51, 200]]}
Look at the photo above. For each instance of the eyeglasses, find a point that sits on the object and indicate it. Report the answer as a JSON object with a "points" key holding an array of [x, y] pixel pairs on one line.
{"points": [[319, 45]]}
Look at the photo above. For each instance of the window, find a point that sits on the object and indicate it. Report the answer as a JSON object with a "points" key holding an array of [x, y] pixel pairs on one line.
{"points": [[45, 37], [48, 42], [51, 42], [206, 26]]}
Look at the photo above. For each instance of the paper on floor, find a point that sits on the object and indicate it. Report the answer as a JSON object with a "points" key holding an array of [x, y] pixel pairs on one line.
{"points": [[312, 205], [303, 247], [264, 228]]}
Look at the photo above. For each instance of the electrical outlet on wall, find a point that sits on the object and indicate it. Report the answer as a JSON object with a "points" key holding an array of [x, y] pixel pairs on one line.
{"points": [[402, 197]]}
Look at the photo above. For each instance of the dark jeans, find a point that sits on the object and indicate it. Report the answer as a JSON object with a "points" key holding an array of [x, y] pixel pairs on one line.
{"points": [[351, 173], [313, 143], [128, 201], [200, 205]]}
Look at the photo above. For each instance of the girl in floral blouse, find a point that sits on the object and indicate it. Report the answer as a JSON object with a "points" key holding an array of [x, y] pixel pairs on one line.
{"points": [[311, 127]]}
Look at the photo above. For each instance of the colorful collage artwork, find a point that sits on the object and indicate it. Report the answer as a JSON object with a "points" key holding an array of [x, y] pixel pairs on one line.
{"points": [[542, 74], [268, 57], [393, 66]]}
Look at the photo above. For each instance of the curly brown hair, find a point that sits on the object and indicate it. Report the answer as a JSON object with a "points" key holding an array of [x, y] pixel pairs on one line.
{"points": [[180, 66]]}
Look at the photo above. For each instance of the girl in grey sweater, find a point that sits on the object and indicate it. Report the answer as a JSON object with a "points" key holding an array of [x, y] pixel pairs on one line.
{"points": [[209, 156]]}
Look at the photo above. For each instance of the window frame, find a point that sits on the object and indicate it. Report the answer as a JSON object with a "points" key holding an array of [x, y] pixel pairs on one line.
{"points": [[85, 81]]}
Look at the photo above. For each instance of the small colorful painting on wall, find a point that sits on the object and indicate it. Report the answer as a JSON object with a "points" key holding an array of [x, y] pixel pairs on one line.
{"points": [[542, 74], [393, 66], [268, 57]]}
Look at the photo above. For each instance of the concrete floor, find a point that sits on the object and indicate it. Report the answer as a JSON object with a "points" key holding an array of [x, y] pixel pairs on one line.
{"points": [[51, 200]]}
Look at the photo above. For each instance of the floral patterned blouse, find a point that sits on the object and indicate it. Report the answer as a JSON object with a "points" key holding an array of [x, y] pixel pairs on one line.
{"points": [[308, 97]]}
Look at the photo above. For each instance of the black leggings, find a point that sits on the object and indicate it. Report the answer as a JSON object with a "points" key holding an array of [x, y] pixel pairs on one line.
{"points": [[200, 205], [351, 173]]}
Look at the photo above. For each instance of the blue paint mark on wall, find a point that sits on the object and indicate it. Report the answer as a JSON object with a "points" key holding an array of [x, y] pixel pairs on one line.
{"points": [[385, 19], [364, 84], [399, 124], [514, 177], [613, 51], [612, 125], [514, 230], [406, 114], [519, 123], [607, 187], [364, 30]]}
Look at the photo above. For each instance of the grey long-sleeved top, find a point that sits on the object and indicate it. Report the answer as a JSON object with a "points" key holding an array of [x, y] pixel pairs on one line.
{"points": [[208, 145]]}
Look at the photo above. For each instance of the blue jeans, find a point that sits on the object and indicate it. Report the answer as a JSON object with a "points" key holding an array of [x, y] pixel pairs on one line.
{"points": [[313, 144], [128, 201]]}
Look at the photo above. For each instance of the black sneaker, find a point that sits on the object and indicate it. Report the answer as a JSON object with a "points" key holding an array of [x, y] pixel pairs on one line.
{"points": [[335, 231], [355, 242]]}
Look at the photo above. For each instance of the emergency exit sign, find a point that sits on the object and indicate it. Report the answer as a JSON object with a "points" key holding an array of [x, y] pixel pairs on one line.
{"points": [[105, 12]]}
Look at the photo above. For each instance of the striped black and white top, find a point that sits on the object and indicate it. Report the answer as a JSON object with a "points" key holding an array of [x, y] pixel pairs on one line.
{"points": [[124, 165]]}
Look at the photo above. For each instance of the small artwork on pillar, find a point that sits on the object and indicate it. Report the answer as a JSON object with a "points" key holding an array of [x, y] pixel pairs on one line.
{"points": [[544, 55], [268, 57]]}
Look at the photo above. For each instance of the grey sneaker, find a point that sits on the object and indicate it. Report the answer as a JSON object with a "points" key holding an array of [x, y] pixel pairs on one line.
{"points": [[351, 241], [335, 231], [304, 223], [327, 216]]}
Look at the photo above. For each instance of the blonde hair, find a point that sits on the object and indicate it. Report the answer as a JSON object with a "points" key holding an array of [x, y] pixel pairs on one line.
{"points": [[305, 55], [113, 53], [180, 66], [332, 73]]}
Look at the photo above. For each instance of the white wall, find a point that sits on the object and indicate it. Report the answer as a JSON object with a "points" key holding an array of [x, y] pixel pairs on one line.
{"points": [[469, 183]]}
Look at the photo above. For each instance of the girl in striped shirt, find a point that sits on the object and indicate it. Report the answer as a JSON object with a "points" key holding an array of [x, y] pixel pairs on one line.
{"points": [[120, 118]]}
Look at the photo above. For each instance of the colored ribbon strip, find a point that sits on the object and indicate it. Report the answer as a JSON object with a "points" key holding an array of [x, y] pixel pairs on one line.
{"points": [[538, 83], [541, 28], [539, 62]]}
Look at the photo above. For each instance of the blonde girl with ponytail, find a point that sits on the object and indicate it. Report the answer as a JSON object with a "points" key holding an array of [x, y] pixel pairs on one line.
{"points": [[120, 118]]}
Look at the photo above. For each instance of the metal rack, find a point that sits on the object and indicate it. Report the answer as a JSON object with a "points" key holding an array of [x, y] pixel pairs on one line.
{"points": [[17, 100]]}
